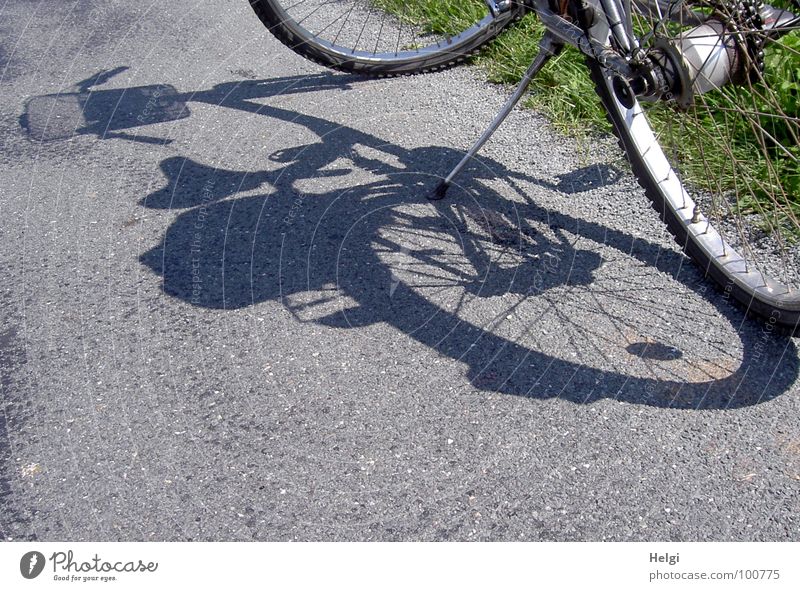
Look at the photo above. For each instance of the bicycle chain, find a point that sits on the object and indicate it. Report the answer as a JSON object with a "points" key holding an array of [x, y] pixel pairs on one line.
{"points": [[742, 19]]}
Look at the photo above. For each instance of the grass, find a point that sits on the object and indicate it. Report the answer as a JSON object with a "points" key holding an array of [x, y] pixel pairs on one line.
{"points": [[444, 17], [562, 90]]}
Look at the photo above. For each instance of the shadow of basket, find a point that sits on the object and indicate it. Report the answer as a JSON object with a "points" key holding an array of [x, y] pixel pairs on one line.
{"points": [[101, 113]]}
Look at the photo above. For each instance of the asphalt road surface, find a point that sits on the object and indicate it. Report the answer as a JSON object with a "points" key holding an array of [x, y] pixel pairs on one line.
{"points": [[227, 311]]}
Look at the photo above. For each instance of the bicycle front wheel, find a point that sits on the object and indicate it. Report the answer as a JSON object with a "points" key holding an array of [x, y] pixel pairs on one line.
{"points": [[383, 37], [722, 167]]}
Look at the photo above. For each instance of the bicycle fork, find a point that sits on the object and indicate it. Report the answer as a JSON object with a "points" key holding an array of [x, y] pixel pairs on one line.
{"points": [[548, 47]]}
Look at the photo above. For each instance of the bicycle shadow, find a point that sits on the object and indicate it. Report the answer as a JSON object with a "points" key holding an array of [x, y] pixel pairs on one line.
{"points": [[335, 223]]}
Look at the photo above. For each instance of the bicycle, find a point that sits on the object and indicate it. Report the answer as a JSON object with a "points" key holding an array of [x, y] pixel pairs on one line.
{"points": [[695, 91]]}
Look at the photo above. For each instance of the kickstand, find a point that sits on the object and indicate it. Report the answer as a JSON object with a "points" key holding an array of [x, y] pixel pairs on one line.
{"points": [[548, 47]]}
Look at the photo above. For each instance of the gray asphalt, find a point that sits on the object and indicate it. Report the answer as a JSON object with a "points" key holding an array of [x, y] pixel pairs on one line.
{"points": [[228, 313]]}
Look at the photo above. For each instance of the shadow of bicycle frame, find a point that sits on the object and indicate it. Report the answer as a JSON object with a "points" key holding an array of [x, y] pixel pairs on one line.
{"points": [[228, 251]]}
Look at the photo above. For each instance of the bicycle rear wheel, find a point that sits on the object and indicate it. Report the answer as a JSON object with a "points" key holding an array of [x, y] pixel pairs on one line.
{"points": [[382, 37], [723, 171]]}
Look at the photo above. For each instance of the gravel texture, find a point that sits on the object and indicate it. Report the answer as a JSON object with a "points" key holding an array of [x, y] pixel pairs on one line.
{"points": [[228, 312]]}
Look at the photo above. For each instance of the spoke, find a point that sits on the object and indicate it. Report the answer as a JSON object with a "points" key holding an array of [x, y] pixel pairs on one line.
{"points": [[344, 24], [736, 150]]}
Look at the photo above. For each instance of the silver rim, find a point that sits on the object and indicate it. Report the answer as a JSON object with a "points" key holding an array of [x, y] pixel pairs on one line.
{"points": [[686, 211], [723, 163]]}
